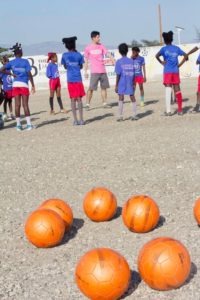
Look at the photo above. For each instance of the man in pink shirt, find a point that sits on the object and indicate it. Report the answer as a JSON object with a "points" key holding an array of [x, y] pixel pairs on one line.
{"points": [[94, 54]]}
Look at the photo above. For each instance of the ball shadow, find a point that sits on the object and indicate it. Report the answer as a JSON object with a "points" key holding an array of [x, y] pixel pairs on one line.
{"points": [[161, 222], [193, 272], [134, 282], [77, 224], [118, 213]]}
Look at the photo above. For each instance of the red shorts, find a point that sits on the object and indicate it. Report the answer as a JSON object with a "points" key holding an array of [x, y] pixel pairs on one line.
{"points": [[76, 89], [139, 79], [20, 91], [198, 88], [54, 83], [171, 78], [9, 94]]}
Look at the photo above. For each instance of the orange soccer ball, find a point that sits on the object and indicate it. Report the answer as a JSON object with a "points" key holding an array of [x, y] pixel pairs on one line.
{"points": [[44, 228], [100, 204], [196, 211], [140, 214], [61, 208], [103, 274], [164, 264]]}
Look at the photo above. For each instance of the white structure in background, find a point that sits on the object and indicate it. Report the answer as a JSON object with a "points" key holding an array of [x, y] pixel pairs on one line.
{"points": [[179, 29]]}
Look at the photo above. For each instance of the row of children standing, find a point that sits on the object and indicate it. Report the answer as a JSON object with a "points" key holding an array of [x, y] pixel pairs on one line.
{"points": [[129, 72]]}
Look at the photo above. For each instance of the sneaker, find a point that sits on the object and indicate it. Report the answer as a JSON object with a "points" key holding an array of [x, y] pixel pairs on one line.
{"points": [[5, 117], [63, 111], [9, 118], [196, 109], [169, 114], [120, 119], [12, 117], [106, 105], [19, 127], [52, 112], [76, 123], [142, 103], [179, 113], [82, 123], [134, 118], [29, 127], [87, 107]]}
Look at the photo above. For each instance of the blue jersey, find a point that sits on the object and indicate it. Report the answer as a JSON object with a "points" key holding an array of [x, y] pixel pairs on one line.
{"points": [[198, 61], [52, 71], [7, 81], [73, 62], [170, 55], [20, 67], [138, 63], [125, 69]]}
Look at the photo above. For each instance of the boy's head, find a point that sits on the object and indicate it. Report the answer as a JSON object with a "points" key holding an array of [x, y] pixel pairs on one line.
{"points": [[52, 56], [95, 36], [17, 49], [5, 60], [135, 51], [168, 37], [123, 49], [70, 43]]}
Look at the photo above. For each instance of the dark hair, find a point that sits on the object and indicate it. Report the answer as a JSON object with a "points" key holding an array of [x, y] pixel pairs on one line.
{"points": [[5, 58], [123, 49], [17, 49], [70, 43], [136, 49], [94, 34], [168, 37]]}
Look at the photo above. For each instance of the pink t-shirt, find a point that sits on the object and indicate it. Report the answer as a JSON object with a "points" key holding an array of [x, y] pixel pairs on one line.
{"points": [[95, 53]]}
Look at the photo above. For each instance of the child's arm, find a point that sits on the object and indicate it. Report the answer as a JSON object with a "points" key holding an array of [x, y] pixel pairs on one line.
{"points": [[117, 82], [144, 72], [48, 72], [32, 82], [162, 62], [185, 58]]}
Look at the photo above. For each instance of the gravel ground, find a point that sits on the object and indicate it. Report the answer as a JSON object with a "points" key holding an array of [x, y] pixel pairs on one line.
{"points": [[156, 155]]}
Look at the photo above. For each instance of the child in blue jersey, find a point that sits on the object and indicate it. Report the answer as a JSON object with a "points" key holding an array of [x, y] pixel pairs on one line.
{"points": [[54, 82], [170, 54], [140, 72], [73, 62], [20, 69], [7, 87], [125, 72]]}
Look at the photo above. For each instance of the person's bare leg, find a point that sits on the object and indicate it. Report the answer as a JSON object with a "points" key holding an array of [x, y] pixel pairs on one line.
{"points": [[17, 112], [104, 98], [88, 99]]}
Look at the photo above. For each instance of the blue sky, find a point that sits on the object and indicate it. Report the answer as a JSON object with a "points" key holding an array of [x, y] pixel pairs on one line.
{"points": [[32, 21]]}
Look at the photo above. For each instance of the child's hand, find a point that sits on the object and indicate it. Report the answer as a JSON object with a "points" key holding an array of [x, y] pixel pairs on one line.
{"points": [[33, 90], [145, 80]]}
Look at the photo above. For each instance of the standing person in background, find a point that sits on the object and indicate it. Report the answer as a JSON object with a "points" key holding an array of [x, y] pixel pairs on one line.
{"points": [[94, 54], [171, 65], [140, 72], [7, 87], [197, 106], [54, 82], [73, 62], [125, 72], [20, 69]]}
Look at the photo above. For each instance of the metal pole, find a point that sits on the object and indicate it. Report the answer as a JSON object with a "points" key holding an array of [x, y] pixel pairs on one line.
{"points": [[160, 24]]}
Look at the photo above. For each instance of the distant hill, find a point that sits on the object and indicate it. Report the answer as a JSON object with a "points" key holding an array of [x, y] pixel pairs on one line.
{"points": [[45, 47]]}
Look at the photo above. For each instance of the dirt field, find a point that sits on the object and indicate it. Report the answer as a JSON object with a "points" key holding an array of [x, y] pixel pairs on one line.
{"points": [[158, 156]]}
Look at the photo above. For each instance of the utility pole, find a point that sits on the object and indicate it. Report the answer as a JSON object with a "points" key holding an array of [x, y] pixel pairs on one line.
{"points": [[160, 24]]}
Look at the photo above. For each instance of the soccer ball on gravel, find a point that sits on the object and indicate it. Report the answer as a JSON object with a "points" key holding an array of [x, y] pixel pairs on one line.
{"points": [[103, 274], [140, 214], [196, 211], [44, 228], [164, 264], [61, 208], [100, 204]]}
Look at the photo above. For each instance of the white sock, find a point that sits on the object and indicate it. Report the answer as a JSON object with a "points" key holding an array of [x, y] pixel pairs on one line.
{"points": [[120, 107], [168, 93], [134, 108], [28, 120], [18, 120]]}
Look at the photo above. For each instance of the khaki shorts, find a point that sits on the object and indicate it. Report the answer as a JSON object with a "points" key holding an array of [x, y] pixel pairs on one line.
{"points": [[96, 78]]}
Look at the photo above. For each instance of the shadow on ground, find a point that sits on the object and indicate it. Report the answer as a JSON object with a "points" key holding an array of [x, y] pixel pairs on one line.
{"points": [[135, 281]]}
